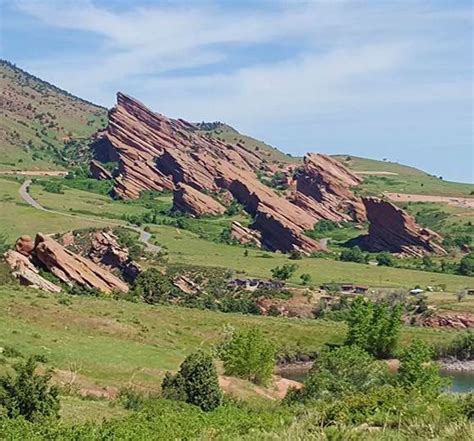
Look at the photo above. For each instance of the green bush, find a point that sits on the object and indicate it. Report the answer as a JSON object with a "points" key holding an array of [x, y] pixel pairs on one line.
{"points": [[196, 382], [249, 355], [341, 371], [28, 394], [385, 259], [283, 272], [466, 266], [354, 254], [153, 287], [462, 347]]}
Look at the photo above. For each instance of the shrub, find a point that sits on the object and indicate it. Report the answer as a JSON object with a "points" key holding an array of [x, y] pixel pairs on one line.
{"points": [[354, 254], [305, 278], [196, 382], [466, 266], [153, 287], [341, 371], [418, 372], [462, 347], [28, 394], [249, 355], [283, 272], [385, 259]]}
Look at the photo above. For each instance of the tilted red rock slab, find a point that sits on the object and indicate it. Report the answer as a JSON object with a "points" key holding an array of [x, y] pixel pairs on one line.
{"points": [[189, 200], [72, 268]]}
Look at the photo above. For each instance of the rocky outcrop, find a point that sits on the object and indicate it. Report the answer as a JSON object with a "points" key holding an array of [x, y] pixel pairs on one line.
{"points": [[392, 229], [72, 269], [106, 251], [244, 235], [98, 171], [156, 153], [453, 321], [323, 188], [188, 200], [27, 273], [24, 245]]}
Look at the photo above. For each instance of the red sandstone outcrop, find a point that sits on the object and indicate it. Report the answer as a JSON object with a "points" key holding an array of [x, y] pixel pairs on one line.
{"points": [[24, 245], [155, 152], [245, 235], [189, 200], [392, 229], [98, 171], [323, 188], [106, 251], [454, 321], [27, 273], [72, 268]]}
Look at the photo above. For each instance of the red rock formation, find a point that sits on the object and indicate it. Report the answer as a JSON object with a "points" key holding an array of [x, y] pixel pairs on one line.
{"points": [[454, 321], [392, 229], [188, 200], [27, 273], [98, 171], [24, 245], [245, 235], [72, 268], [323, 188], [106, 251], [155, 152]]}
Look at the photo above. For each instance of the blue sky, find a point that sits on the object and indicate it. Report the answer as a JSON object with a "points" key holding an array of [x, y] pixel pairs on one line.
{"points": [[380, 78]]}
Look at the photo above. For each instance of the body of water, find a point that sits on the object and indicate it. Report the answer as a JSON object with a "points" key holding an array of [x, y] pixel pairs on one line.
{"points": [[461, 382]]}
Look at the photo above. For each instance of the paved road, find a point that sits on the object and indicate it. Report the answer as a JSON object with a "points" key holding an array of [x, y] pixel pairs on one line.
{"points": [[144, 237]]}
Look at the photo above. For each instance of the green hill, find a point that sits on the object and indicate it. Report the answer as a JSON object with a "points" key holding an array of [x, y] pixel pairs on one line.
{"points": [[41, 126]]}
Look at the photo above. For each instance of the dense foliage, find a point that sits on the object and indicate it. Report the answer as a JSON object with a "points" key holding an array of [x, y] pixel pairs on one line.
{"points": [[374, 327], [249, 355], [195, 383], [27, 393], [283, 272]]}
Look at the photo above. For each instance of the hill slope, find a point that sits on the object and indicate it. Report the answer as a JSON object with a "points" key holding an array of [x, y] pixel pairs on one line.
{"points": [[42, 126]]}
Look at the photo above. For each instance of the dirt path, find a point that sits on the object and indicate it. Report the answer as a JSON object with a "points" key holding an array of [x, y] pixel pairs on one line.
{"points": [[34, 173], [454, 201], [144, 235]]}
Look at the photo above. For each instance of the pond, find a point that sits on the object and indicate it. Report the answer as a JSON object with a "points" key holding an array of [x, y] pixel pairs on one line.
{"points": [[462, 381]]}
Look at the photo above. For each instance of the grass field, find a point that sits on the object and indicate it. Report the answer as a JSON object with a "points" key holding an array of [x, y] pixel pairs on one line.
{"points": [[186, 247], [406, 179], [114, 343]]}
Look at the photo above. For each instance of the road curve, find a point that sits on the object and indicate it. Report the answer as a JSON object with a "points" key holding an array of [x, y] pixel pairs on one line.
{"points": [[144, 237]]}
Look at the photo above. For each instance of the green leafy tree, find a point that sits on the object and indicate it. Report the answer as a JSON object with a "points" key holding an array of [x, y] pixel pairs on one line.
{"points": [[153, 287], [385, 259], [305, 278], [249, 355], [27, 393], [341, 371], [466, 266], [195, 383], [418, 372], [353, 254], [283, 272], [374, 327]]}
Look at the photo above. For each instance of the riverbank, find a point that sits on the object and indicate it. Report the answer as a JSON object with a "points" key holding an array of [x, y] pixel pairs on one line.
{"points": [[454, 365]]}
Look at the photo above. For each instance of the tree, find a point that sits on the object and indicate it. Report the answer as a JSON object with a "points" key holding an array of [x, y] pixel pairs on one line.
{"points": [[341, 371], [374, 327], [354, 254], [283, 272], [195, 383], [249, 355], [29, 394], [466, 266], [153, 286], [418, 372], [385, 259]]}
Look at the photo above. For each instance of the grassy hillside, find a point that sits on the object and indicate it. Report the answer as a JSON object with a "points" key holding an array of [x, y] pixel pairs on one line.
{"points": [[228, 134], [42, 126], [398, 178]]}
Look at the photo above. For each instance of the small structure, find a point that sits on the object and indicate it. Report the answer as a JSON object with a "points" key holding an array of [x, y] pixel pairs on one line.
{"points": [[470, 291], [254, 284], [345, 287], [416, 291]]}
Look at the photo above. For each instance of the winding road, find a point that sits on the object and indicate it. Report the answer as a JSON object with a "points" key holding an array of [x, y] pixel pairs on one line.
{"points": [[144, 237]]}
